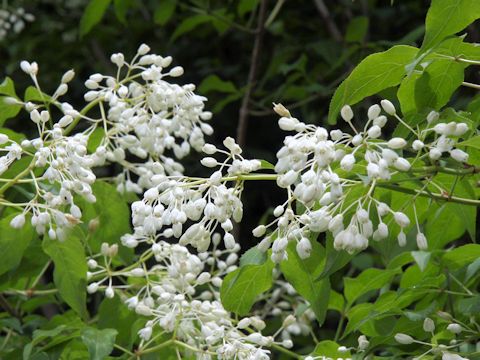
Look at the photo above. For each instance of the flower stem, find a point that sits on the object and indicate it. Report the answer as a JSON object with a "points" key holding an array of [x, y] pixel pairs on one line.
{"points": [[435, 196]]}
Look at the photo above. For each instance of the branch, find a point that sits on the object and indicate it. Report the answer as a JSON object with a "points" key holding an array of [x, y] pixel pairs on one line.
{"points": [[252, 75], [329, 23]]}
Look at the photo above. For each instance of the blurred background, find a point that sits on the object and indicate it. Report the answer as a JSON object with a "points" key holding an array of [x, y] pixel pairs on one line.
{"points": [[242, 54]]}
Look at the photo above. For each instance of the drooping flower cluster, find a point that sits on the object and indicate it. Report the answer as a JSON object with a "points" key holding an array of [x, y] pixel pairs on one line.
{"points": [[180, 294], [319, 169], [210, 203], [13, 20], [145, 119]]}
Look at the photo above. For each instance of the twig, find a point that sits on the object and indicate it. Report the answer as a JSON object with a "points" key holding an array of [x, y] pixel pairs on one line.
{"points": [[332, 28], [252, 75]]}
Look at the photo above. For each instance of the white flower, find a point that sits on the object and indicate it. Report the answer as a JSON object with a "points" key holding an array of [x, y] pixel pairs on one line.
{"points": [[459, 155], [388, 107], [346, 113]]}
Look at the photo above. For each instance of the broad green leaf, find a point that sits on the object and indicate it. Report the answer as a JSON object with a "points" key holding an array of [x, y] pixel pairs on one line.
{"points": [[448, 17], [33, 94], [241, 287], [302, 274], [253, 256], [375, 73], [336, 301], [164, 11], [438, 235], [461, 256], [99, 342], [190, 24], [8, 111], [93, 14], [472, 142], [329, 349], [334, 259], [111, 216], [13, 242], [114, 314], [70, 272], [214, 83], [368, 280]]}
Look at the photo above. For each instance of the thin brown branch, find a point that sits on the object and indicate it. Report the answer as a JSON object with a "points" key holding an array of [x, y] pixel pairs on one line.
{"points": [[252, 75], [331, 26]]}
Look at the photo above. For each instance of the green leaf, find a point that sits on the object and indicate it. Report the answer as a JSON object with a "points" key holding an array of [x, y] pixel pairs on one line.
{"points": [[375, 73], [93, 14], [368, 280], [190, 24], [99, 342], [302, 274], [70, 274], [469, 306], [334, 259], [13, 242], [112, 217], [329, 349], [461, 256], [95, 139], [164, 11], [421, 258], [448, 17], [472, 142], [253, 256], [246, 6], [121, 8], [472, 270], [8, 111], [33, 94], [357, 29], [113, 313], [214, 83], [241, 287]]}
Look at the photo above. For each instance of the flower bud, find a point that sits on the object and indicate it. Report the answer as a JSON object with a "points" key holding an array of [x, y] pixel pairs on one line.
{"points": [[281, 110], [454, 328], [18, 221], [209, 162], [143, 49], [401, 219], [388, 107], [459, 155], [403, 339], [373, 112], [397, 143], [417, 145], [259, 230], [346, 113], [363, 343], [432, 116], [289, 320], [176, 71], [374, 132], [304, 248], [422, 241], [287, 123], [428, 325]]}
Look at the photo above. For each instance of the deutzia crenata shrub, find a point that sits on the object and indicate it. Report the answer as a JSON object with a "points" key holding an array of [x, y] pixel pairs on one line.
{"points": [[102, 194]]}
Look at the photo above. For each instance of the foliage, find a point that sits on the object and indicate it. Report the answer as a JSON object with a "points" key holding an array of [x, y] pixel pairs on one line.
{"points": [[110, 251]]}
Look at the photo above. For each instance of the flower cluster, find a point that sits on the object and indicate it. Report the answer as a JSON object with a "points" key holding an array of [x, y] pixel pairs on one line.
{"points": [[144, 115], [13, 20], [320, 168], [145, 119], [179, 294], [209, 203]]}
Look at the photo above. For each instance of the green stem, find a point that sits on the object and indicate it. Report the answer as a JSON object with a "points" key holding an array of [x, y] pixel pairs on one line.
{"points": [[86, 109], [453, 199], [440, 169], [287, 352], [20, 175]]}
